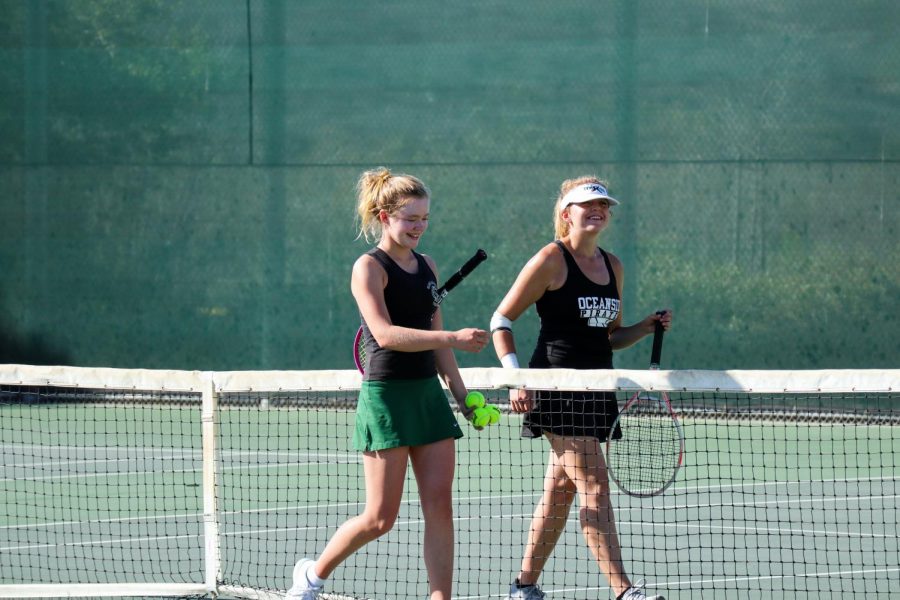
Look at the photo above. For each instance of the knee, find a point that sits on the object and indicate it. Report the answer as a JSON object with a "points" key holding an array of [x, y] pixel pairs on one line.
{"points": [[378, 524], [595, 493], [560, 493], [439, 508], [561, 489], [593, 517]]}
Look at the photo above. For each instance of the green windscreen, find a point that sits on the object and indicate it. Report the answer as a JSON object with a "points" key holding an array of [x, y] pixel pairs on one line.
{"points": [[177, 177]]}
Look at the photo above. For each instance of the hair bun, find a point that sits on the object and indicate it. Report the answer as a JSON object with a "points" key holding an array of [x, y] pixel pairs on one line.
{"points": [[380, 176]]}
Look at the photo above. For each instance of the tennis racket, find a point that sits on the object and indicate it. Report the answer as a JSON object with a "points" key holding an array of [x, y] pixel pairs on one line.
{"points": [[438, 295], [645, 460]]}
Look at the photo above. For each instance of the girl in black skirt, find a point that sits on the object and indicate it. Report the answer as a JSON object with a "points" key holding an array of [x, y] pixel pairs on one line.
{"points": [[577, 290]]}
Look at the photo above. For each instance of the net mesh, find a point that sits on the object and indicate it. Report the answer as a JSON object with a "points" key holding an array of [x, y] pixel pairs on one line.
{"points": [[100, 486], [784, 493]]}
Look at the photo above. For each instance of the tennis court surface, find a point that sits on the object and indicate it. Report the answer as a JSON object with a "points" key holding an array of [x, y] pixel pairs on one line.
{"points": [[173, 483]]}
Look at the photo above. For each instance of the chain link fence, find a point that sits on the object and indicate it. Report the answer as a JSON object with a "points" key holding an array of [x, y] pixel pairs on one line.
{"points": [[177, 178]]}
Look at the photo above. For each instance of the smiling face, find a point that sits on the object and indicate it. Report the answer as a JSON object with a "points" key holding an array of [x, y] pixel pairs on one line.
{"points": [[405, 226], [592, 216]]}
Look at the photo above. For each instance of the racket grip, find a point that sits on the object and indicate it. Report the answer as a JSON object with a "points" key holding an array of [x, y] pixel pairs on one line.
{"points": [[467, 268], [656, 354], [473, 262]]}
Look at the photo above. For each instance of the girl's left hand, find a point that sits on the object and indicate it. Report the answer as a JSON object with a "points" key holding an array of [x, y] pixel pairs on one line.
{"points": [[664, 316]]}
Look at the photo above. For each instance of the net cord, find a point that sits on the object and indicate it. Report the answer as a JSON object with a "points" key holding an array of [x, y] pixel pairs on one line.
{"points": [[624, 380]]}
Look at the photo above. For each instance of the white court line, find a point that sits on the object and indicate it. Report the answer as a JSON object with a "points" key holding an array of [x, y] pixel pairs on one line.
{"points": [[349, 457], [509, 516], [748, 578], [151, 450], [549, 591], [226, 534], [494, 499], [198, 469], [761, 530], [69, 463], [758, 503], [119, 541], [142, 453], [460, 501], [660, 586], [105, 449]]}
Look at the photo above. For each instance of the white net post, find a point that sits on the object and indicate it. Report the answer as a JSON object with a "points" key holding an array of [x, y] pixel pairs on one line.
{"points": [[212, 556]]}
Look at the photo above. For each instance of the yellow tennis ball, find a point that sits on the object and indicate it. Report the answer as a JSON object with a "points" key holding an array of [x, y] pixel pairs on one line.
{"points": [[494, 414], [481, 417], [474, 400]]}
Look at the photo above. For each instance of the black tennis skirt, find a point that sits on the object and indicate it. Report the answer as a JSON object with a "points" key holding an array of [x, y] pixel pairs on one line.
{"points": [[573, 414]]}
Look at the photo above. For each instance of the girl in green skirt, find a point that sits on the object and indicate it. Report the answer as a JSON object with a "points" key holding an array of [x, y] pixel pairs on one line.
{"points": [[403, 416]]}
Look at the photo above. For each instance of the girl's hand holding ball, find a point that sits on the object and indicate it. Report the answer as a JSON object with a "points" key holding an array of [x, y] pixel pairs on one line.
{"points": [[484, 414]]}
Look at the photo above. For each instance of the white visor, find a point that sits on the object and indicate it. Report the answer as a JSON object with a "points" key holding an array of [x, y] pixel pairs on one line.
{"points": [[588, 191]]}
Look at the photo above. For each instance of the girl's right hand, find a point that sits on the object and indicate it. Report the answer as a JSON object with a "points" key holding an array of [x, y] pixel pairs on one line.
{"points": [[521, 401], [470, 339]]}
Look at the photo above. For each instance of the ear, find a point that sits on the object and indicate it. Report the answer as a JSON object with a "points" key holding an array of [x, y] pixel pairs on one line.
{"points": [[383, 216]]}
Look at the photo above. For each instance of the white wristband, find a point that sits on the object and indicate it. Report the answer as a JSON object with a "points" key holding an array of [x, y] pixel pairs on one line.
{"points": [[500, 323], [510, 361]]}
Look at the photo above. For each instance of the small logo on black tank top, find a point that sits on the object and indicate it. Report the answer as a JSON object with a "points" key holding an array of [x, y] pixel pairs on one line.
{"points": [[599, 312], [435, 295]]}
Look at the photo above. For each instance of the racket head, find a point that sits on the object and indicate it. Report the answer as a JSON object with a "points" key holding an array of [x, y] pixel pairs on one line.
{"points": [[359, 351], [645, 461]]}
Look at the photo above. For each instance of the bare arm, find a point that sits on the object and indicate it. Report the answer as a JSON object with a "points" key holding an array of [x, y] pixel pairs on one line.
{"points": [[445, 361], [448, 370], [545, 270], [540, 273]]}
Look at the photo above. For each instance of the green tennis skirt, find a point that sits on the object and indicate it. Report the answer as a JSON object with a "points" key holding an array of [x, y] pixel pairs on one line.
{"points": [[404, 412]]}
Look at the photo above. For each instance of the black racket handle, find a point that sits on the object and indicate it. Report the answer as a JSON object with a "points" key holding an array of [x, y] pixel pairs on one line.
{"points": [[656, 354], [467, 268]]}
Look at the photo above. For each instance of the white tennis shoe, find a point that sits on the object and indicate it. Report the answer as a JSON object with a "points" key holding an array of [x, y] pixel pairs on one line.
{"points": [[636, 592], [302, 589], [529, 592]]}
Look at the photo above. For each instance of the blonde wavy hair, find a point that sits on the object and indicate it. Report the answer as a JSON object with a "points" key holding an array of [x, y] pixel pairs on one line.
{"points": [[560, 227], [380, 190]]}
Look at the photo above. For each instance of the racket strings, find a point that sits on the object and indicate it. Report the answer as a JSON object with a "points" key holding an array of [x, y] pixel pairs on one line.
{"points": [[648, 455]]}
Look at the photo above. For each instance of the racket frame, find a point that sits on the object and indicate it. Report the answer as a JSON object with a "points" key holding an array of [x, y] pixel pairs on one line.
{"points": [[358, 351], [663, 400]]}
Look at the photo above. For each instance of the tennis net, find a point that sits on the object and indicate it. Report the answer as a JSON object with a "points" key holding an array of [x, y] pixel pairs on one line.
{"points": [[196, 484]]}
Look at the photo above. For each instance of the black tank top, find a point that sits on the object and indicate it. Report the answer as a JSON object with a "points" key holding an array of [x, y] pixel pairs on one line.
{"points": [[410, 303], [575, 321]]}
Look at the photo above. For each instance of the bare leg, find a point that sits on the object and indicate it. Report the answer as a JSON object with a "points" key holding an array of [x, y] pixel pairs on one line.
{"points": [[583, 461], [385, 473], [434, 466], [548, 522]]}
